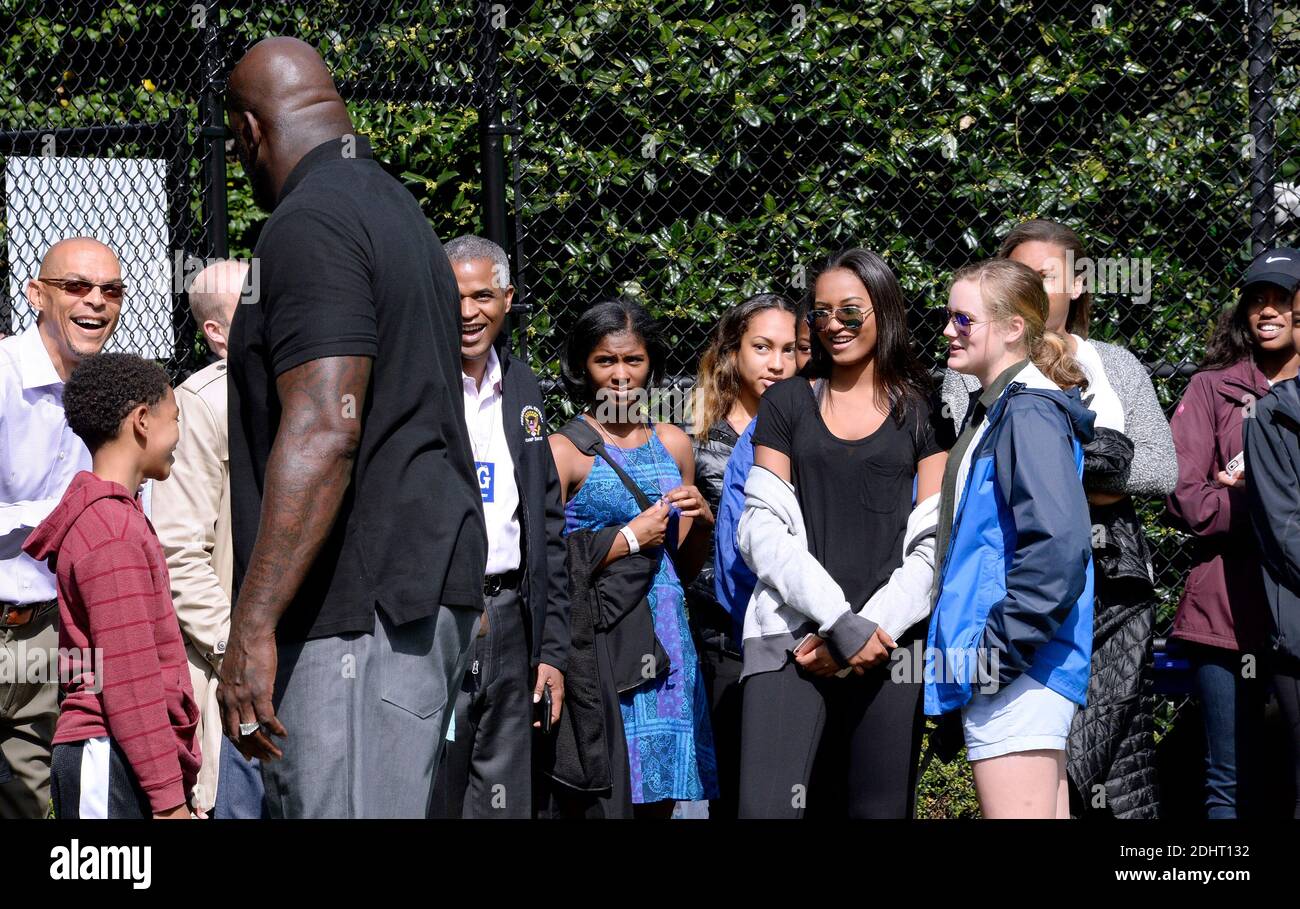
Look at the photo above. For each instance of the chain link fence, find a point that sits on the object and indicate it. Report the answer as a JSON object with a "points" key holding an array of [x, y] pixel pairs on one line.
{"points": [[694, 153], [112, 125], [690, 153]]}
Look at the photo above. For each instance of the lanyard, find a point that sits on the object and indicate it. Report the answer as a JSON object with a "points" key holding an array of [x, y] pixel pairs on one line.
{"points": [[479, 445]]}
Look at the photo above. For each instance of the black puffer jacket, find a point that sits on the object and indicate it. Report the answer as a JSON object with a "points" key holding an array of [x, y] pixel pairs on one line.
{"points": [[1111, 745], [1119, 545], [711, 456]]}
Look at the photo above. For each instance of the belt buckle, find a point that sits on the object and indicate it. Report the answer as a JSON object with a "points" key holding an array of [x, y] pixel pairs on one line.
{"points": [[5, 611], [492, 585]]}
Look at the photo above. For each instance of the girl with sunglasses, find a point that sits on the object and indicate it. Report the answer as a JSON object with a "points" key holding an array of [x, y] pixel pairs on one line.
{"points": [[1011, 634], [1111, 749], [843, 558]]}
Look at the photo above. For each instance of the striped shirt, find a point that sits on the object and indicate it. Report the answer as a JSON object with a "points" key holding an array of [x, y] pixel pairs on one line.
{"points": [[122, 665]]}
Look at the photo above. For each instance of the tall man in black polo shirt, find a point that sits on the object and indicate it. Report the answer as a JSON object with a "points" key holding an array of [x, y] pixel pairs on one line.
{"points": [[358, 532]]}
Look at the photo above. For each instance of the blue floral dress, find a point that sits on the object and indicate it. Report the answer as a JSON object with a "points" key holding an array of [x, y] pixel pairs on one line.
{"points": [[669, 741]]}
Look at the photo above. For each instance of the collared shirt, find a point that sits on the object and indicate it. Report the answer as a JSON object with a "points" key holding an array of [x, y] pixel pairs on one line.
{"points": [[39, 456], [494, 466]]}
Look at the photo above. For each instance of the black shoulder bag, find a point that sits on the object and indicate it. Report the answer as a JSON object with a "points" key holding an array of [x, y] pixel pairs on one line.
{"points": [[623, 611]]}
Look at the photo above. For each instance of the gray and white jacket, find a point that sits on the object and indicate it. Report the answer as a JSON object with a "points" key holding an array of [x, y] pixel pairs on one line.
{"points": [[796, 596], [1154, 471]]}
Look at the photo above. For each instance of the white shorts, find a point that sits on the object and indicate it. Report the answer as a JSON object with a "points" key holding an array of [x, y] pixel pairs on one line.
{"points": [[1024, 716]]}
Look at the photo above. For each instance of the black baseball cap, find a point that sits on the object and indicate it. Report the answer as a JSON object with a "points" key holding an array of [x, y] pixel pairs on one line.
{"points": [[1279, 266]]}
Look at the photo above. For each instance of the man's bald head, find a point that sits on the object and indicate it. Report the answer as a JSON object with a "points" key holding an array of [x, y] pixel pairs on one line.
{"points": [[282, 103], [214, 295], [286, 83], [79, 252]]}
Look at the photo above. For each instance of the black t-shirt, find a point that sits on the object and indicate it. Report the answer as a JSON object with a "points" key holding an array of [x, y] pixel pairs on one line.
{"points": [[855, 495], [349, 266]]}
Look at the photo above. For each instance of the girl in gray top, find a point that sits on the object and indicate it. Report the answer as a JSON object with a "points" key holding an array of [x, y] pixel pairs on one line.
{"points": [[1111, 749]]}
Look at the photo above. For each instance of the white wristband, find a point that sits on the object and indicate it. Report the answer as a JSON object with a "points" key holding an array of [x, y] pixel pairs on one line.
{"points": [[633, 544]]}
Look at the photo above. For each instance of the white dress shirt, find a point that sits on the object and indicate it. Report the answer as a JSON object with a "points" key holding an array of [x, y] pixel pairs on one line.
{"points": [[494, 466], [39, 456]]}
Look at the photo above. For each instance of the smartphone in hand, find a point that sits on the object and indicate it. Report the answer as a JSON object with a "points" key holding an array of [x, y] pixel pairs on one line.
{"points": [[542, 710], [805, 645], [1236, 465]]}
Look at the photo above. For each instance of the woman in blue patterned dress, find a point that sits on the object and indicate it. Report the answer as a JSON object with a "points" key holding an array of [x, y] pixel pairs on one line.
{"points": [[613, 356]]}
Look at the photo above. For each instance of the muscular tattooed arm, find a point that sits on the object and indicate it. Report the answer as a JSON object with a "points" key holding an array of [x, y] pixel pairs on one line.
{"points": [[306, 476]]}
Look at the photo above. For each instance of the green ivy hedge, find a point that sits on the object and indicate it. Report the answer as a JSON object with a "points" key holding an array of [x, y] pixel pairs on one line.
{"points": [[691, 153]]}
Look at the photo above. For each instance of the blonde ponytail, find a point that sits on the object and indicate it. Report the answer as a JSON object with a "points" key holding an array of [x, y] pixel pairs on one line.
{"points": [[1051, 354]]}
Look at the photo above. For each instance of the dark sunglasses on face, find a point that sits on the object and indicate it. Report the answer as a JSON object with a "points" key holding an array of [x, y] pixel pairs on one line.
{"points": [[851, 317], [114, 290]]}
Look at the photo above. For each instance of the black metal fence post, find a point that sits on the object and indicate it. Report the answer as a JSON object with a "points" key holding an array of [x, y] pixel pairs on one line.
{"points": [[212, 132], [491, 130], [1259, 76], [492, 133], [181, 229]]}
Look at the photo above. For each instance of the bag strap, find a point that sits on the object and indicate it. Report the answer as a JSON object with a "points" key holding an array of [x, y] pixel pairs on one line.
{"points": [[588, 441]]}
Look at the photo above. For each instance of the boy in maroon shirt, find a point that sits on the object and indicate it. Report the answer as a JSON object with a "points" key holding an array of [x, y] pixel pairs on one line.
{"points": [[124, 745]]}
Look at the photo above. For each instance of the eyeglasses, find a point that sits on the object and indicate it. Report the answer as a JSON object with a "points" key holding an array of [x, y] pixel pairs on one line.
{"points": [[851, 317], [964, 323], [114, 290]]}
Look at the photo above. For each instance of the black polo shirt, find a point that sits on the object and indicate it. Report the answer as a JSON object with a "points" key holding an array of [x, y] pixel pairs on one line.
{"points": [[349, 266]]}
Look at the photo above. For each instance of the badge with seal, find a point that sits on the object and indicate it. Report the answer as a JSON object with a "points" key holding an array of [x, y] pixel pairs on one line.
{"points": [[531, 419]]}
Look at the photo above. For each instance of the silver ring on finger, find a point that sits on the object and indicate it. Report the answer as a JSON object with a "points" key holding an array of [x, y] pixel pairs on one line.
{"points": [[248, 728]]}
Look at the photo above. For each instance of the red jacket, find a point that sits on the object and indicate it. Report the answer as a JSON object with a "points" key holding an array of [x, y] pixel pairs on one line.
{"points": [[1223, 601], [115, 597]]}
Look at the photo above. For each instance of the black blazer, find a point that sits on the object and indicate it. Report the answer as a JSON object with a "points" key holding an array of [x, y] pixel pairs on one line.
{"points": [[545, 587]]}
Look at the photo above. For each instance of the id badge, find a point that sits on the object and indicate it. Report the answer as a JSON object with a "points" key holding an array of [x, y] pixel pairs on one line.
{"points": [[486, 471]]}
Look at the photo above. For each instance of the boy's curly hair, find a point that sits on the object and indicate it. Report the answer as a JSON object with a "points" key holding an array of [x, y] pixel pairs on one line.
{"points": [[104, 388]]}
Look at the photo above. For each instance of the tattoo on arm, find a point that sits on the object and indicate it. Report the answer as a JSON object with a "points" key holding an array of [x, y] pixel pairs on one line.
{"points": [[307, 475]]}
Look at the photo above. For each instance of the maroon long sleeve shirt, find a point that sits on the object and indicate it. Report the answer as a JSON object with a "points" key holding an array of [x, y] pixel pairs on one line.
{"points": [[116, 619], [1223, 601]]}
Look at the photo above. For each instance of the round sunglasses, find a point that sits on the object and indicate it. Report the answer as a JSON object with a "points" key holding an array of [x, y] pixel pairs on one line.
{"points": [[963, 323]]}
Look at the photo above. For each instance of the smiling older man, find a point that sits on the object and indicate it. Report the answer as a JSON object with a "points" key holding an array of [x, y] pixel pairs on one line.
{"points": [[77, 296]]}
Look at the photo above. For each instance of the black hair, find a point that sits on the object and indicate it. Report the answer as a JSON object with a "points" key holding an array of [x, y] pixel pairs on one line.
{"points": [[900, 377], [104, 388], [609, 317]]}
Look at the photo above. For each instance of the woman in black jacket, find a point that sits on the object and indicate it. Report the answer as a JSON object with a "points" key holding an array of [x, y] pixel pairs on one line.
{"points": [[1272, 449]]}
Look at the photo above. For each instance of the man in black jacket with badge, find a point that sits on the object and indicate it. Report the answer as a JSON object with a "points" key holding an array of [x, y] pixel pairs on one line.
{"points": [[521, 649]]}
